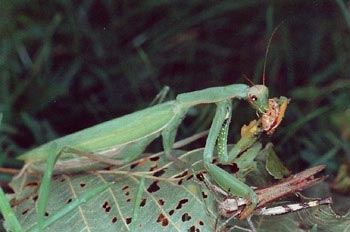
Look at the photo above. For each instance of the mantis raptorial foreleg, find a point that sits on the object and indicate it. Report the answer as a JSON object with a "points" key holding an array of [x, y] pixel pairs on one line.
{"points": [[218, 136], [218, 133]]}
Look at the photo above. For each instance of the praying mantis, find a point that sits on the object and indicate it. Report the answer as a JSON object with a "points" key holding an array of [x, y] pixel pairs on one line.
{"points": [[146, 125], [121, 140], [127, 137]]}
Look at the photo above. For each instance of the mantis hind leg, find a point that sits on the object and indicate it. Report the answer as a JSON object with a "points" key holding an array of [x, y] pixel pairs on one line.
{"points": [[114, 157]]}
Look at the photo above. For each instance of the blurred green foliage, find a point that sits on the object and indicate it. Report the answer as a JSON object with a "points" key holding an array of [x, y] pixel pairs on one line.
{"points": [[67, 65]]}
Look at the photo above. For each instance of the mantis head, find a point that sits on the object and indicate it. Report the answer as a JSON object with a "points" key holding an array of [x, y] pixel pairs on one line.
{"points": [[258, 98], [258, 94]]}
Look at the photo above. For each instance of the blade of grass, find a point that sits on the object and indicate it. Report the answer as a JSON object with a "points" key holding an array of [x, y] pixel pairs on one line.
{"points": [[44, 190], [344, 11], [8, 214], [298, 124], [71, 206], [327, 156], [136, 209]]}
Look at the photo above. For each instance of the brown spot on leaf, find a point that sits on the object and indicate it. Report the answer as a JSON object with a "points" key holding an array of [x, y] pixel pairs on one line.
{"points": [[82, 184], [47, 214], [155, 158], [107, 209], [183, 174], [154, 167], [128, 200], [204, 195], [114, 220], [69, 200], [180, 182], [200, 177], [193, 229], [171, 212], [159, 173], [125, 187], [128, 220], [106, 206], [201, 223], [181, 202], [189, 177], [32, 184], [162, 220], [35, 198], [143, 202], [25, 211], [110, 167], [186, 217], [161, 201], [134, 165], [153, 187]]}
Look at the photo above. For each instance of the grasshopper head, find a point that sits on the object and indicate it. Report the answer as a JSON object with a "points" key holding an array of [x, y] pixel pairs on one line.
{"points": [[258, 97]]}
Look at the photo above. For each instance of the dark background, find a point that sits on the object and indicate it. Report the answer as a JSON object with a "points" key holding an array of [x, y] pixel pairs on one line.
{"points": [[67, 65]]}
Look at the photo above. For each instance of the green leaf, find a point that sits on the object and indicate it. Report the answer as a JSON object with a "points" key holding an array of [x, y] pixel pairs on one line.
{"points": [[274, 165], [172, 199]]}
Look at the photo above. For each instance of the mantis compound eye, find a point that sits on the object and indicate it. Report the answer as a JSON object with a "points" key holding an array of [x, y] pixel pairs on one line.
{"points": [[253, 98]]}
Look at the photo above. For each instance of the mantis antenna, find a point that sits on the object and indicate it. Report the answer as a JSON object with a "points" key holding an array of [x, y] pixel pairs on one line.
{"points": [[267, 50], [248, 79]]}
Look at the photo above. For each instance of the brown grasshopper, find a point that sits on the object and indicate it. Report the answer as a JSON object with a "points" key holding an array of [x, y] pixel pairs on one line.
{"points": [[231, 207]]}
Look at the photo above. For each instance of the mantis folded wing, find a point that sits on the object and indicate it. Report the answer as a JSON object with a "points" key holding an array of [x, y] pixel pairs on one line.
{"points": [[124, 138]]}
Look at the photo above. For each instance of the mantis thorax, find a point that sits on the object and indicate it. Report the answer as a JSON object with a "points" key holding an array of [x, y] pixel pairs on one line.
{"points": [[258, 97]]}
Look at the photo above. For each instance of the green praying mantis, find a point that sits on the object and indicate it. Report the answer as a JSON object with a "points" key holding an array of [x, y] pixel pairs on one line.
{"points": [[123, 139], [132, 133]]}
